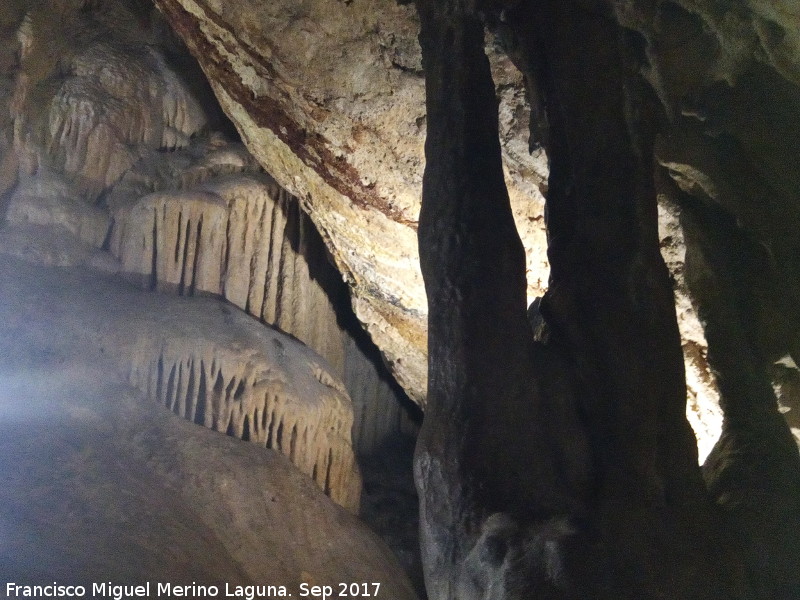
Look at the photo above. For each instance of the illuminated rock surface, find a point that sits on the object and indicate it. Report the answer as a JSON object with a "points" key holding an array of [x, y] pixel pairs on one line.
{"points": [[376, 135]]}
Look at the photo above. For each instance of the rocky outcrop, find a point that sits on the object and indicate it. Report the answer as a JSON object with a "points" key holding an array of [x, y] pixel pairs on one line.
{"points": [[57, 193], [702, 407], [344, 135], [329, 97], [727, 81], [358, 175], [357, 166]]}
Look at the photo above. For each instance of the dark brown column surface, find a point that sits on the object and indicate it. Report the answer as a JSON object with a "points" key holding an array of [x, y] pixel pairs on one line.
{"points": [[567, 469]]}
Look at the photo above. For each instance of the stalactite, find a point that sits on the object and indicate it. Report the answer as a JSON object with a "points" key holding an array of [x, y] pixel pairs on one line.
{"points": [[251, 398], [245, 239], [107, 99]]}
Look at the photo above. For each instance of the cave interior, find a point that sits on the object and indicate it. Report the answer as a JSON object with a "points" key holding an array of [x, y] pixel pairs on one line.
{"points": [[444, 299]]}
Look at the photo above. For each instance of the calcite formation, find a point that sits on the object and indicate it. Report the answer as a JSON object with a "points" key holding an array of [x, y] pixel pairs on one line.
{"points": [[122, 120], [275, 393], [228, 238], [53, 246], [243, 238], [346, 136], [91, 99], [215, 366], [47, 200]]}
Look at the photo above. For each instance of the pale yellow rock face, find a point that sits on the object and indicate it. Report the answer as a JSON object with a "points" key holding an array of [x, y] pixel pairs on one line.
{"points": [[330, 99], [702, 406]]}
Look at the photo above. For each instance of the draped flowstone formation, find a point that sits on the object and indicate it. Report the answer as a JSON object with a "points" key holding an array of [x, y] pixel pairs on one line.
{"points": [[102, 484], [275, 393], [243, 238], [123, 120], [214, 366]]}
